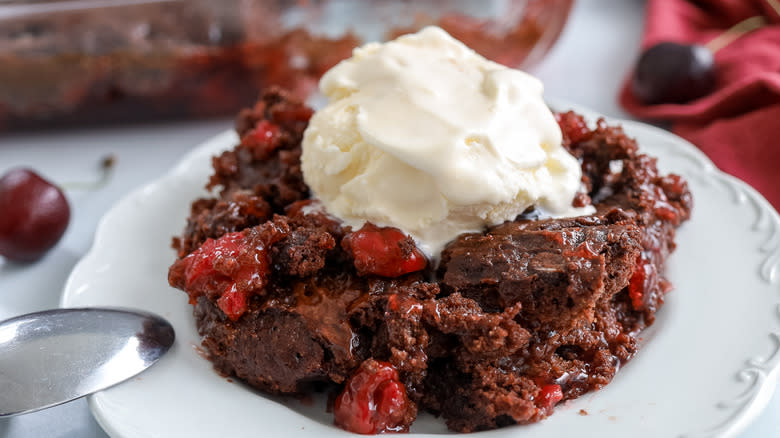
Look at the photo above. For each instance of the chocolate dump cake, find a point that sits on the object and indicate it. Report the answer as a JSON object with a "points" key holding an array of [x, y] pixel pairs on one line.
{"points": [[510, 322]]}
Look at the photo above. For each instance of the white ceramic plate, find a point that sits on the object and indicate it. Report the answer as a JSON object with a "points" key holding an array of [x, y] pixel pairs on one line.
{"points": [[707, 368]]}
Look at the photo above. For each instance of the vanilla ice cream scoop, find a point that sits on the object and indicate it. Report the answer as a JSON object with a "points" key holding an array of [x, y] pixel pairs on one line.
{"points": [[423, 134]]}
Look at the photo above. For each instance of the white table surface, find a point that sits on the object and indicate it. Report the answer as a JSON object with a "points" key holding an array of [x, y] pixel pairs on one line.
{"points": [[587, 67]]}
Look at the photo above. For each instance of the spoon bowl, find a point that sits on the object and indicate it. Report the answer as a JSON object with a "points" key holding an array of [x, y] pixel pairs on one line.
{"points": [[55, 356]]}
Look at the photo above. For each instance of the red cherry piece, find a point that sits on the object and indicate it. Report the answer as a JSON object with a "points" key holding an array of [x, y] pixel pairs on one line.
{"points": [[200, 273], [373, 401], [384, 251], [226, 269], [233, 302], [665, 211], [549, 396], [638, 283], [264, 138], [573, 126], [673, 73], [392, 303], [35, 215]]}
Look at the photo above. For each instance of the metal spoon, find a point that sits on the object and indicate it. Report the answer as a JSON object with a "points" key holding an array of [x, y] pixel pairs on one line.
{"points": [[52, 357]]}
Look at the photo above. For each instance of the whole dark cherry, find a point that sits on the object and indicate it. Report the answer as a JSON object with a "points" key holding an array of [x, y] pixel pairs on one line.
{"points": [[669, 72], [34, 215]]}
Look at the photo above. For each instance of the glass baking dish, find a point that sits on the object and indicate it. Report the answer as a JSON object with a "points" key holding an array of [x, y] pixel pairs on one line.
{"points": [[76, 62]]}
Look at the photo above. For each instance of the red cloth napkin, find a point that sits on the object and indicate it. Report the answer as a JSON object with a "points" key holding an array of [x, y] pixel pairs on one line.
{"points": [[738, 124]]}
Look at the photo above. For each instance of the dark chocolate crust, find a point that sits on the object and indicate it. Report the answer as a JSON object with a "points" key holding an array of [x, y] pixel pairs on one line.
{"points": [[508, 313]]}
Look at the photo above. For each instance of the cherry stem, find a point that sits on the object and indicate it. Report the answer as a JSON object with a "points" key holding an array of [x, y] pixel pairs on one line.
{"points": [[107, 165], [736, 31]]}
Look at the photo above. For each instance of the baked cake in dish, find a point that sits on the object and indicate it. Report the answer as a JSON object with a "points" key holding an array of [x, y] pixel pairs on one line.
{"points": [[500, 328]]}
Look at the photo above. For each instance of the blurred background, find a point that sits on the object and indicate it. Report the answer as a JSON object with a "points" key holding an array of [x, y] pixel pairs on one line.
{"points": [[86, 62]]}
